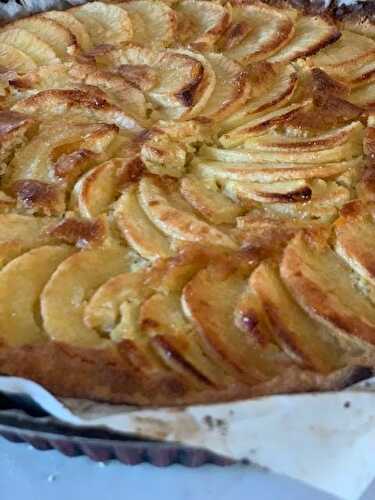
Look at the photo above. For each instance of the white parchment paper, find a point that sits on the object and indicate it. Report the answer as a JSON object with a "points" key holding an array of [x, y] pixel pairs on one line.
{"points": [[326, 440]]}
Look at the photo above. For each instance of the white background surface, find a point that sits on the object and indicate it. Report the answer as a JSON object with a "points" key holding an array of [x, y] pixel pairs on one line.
{"points": [[27, 474]]}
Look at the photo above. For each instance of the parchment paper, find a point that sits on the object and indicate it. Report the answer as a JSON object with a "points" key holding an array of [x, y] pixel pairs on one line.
{"points": [[326, 440]]}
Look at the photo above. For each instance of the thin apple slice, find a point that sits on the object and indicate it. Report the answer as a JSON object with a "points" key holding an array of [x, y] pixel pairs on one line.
{"points": [[355, 240], [209, 301], [350, 50], [297, 191], [271, 88], [364, 96], [260, 124], [106, 23], [14, 59], [88, 103], [40, 52], [331, 138], [36, 160], [20, 233], [137, 228], [271, 172], [154, 23], [304, 339], [21, 283], [14, 131], [174, 340], [72, 285], [50, 32], [97, 189], [232, 88], [270, 29], [69, 22], [176, 220], [322, 284], [312, 33], [211, 203], [201, 23]]}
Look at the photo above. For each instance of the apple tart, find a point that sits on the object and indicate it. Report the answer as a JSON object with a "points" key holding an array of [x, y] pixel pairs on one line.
{"points": [[187, 200]]}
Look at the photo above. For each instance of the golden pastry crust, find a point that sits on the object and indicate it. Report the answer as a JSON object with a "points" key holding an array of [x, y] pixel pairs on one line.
{"points": [[187, 200]]}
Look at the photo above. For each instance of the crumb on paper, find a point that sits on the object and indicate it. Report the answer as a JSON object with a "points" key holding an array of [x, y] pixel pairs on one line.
{"points": [[347, 404], [52, 478]]}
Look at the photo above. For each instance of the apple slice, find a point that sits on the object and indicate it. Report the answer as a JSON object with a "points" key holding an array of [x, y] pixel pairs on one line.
{"points": [[297, 191], [72, 285], [175, 219], [14, 59], [308, 342], [20, 233], [97, 189], [69, 22], [137, 228], [312, 33], [50, 32], [322, 284], [40, 52], [154, 23], [271, 172], [209, 301], [209, 202], [80, 104], [21, 283], [271, 88], [363, 96], [14, 131], [260, 124], [354, 238], [232, 88], [105, 23], [173, 338], [201, 23], [270, 29]]}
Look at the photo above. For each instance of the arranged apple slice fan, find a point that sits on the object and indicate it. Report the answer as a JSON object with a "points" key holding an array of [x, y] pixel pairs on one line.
{"points": [[187, 200]]}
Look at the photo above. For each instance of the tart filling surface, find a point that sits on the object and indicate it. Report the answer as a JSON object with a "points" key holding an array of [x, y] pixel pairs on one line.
{"points": [[187, 200]]}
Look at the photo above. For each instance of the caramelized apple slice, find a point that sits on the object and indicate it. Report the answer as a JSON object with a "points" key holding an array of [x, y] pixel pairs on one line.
{"points": [[154, 23], [200, 23], [259, 125], [305, 340], [364, 96], [82, 104], [72, 285], [270, 29], [354, 238], [297, 191], [21, 283], [271, 88], [36, 160], [40, 52], [14, 59], [231, 90], [272, 172], [14, 131], [69, 22], [176, 343], [212, 204], [20, 233], [50, 32], [312, 33], [209, 301], [322, 284], [174, 219], [97, 189], [105, 23], [137, 228]]}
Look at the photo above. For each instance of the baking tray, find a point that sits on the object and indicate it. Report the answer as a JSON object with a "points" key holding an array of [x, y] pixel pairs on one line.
{"points": [[22, 421]]}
